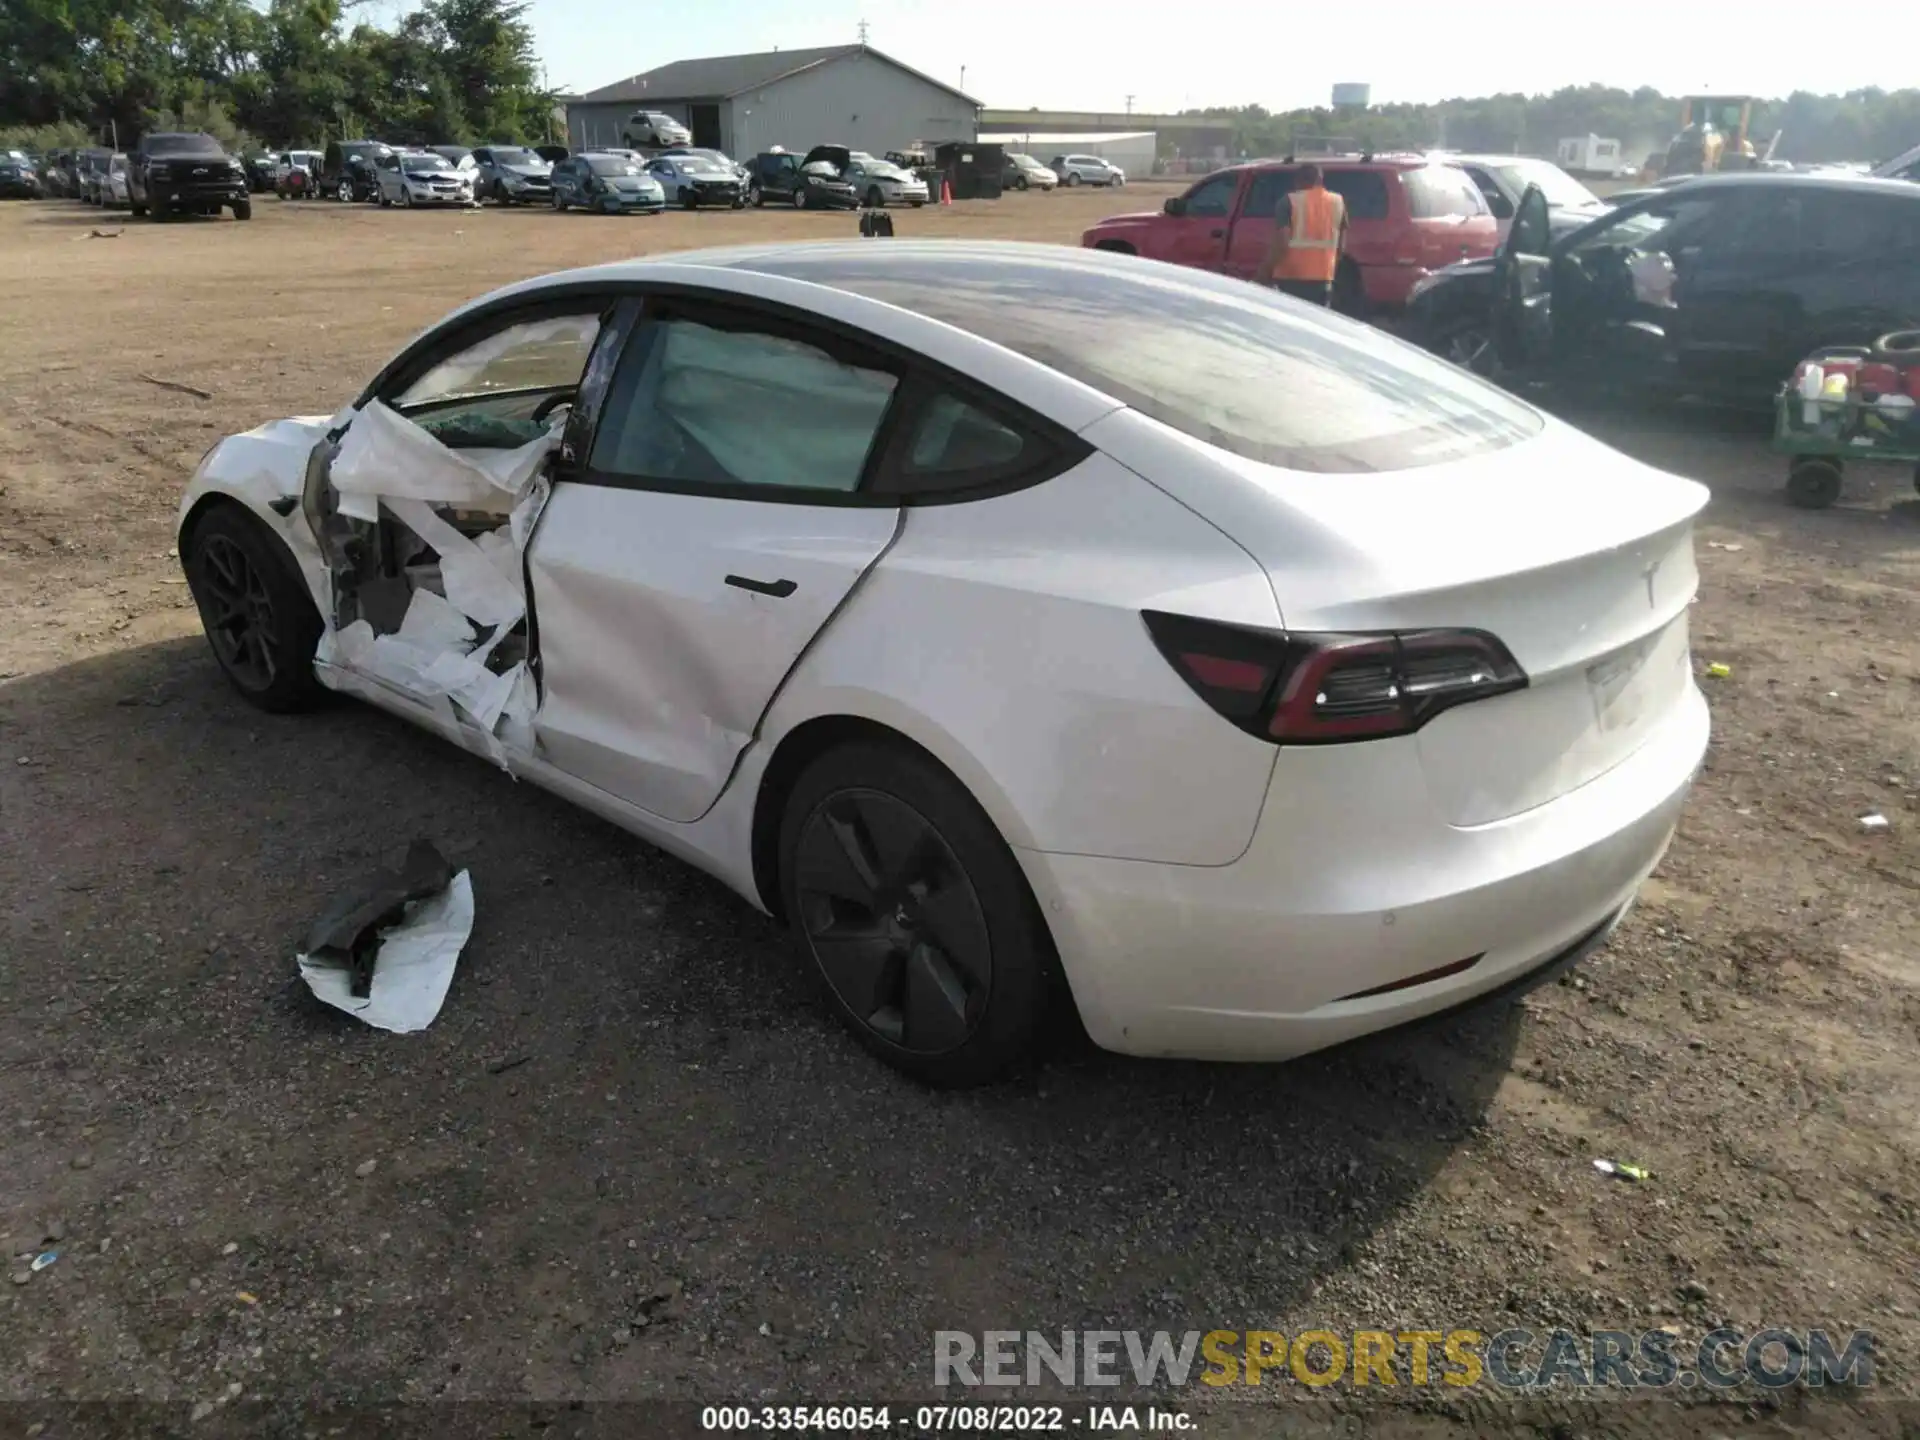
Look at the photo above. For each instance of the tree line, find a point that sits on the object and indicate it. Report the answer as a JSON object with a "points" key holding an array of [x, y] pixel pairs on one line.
{"points": [[301, 72], [78, 72], [1868, 124]]}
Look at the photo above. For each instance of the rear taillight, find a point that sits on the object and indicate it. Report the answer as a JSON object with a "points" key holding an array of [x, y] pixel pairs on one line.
{"points": [[1322, 689]]}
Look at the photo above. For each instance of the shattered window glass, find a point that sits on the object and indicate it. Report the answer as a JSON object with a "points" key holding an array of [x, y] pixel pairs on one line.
{"points": [[691, 404], [549, 354]]}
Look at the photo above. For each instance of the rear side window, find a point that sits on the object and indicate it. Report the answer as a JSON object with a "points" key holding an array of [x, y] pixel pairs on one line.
{"points": [[1222, 361], [1437, 192], [1365, 192]]}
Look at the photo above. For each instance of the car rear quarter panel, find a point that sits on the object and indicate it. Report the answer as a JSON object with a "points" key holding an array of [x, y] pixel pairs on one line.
{"points": [[1004, 635]]}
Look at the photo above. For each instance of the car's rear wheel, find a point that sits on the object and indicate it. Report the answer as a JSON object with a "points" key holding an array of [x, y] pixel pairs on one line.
{"points": [[259, 618], [914, 915], [1073, 178], [559, 205]]}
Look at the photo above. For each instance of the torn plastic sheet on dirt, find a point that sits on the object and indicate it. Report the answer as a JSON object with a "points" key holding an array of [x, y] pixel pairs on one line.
{"points": [[386, 456], [412, 964]]}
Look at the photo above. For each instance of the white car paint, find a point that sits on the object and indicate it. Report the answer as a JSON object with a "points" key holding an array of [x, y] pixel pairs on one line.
{"points": [[1503, 180], [1210, 894]]}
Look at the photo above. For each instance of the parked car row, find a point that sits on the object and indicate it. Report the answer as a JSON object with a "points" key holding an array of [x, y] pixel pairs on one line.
{"points": [[1712, 286], [166, 174]]}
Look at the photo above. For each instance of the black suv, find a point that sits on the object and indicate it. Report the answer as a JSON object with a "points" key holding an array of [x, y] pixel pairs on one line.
{"points": [[172, 174], [782, 177], [348, 171], [1718, 287]]}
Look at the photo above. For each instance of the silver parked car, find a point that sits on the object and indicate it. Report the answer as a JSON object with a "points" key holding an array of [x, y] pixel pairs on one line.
{"points": [[420, 177], [1087, 170], [881, 182]]}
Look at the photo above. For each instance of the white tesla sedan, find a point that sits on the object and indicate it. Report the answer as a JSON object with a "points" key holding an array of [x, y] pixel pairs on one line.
{"points": [[1019, 623]]}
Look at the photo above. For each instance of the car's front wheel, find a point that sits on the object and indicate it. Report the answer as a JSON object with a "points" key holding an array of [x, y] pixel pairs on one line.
{"points": [[912, 912], [259, 618], [756, 197], [243, 209], [800, 198]]}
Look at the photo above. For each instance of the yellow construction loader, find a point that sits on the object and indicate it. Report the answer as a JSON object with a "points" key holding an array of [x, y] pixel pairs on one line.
{"points": [[1713, 136]]}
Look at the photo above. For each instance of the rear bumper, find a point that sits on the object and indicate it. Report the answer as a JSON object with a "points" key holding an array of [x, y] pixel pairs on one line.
{"points": [[1342, 893]]}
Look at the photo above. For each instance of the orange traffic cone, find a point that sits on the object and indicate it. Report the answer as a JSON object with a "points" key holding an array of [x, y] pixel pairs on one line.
{"points": [[946, 191]]}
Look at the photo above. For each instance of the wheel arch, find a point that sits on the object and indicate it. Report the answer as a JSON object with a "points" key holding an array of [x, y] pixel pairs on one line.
{"points": [[1118, 247], [800, 746]]}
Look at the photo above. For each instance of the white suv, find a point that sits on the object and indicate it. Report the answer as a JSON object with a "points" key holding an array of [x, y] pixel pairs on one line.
{"points": [[1086, 170], [652, 130]]}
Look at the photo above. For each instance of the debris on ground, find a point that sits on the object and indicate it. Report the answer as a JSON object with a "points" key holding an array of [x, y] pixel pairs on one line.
{"points": [[510, 1062], [385, 950], [181, 386], [1719, 671], [43, 1260], [1874, 822], [1620, 1170]]}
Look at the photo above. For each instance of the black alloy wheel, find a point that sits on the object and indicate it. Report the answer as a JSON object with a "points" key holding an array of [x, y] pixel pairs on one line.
{"points": [[915, 915], [260, 621]]}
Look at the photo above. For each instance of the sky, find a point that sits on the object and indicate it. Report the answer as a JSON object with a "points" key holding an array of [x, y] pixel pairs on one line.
{"points": [[1017, 53]]}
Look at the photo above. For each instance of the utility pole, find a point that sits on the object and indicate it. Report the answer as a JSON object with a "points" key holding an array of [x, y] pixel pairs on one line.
{"points": [[963, 79], [1129, 104], [863, 32]]}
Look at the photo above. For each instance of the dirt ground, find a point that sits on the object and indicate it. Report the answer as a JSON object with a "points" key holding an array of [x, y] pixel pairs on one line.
{"points": [[695, 1185]]}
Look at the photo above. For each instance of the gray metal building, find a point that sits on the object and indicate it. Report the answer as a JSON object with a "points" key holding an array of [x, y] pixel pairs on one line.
{"points": [[848, 95]]}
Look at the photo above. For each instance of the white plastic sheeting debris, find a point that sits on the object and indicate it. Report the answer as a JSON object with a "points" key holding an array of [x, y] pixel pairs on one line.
{"points": [[413, 967], [385, 456], [436, 656]]}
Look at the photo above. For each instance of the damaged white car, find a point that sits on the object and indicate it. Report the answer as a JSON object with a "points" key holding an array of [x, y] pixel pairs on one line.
{"points": [[1019, 623]]}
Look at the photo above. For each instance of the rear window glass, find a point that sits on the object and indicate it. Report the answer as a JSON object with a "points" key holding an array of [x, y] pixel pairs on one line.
{"points": [[1365, 192], [1435, 192], [1228, 363]]}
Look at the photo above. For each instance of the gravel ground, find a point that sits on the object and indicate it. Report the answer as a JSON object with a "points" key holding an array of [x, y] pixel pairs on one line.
{"points": [[692, 1184]]}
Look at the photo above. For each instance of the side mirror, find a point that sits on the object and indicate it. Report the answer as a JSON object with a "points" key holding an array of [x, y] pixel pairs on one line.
{"points": [[1177, 205]]}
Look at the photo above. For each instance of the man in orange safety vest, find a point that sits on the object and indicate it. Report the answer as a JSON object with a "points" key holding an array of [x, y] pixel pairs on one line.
{"points": [[1307, 239]]}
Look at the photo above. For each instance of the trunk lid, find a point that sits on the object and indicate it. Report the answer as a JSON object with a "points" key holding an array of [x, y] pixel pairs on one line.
{"points": [[1579, 559]]}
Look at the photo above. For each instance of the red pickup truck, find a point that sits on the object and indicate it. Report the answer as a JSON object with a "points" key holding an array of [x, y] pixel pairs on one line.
{"points": [[1406, 217]]}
